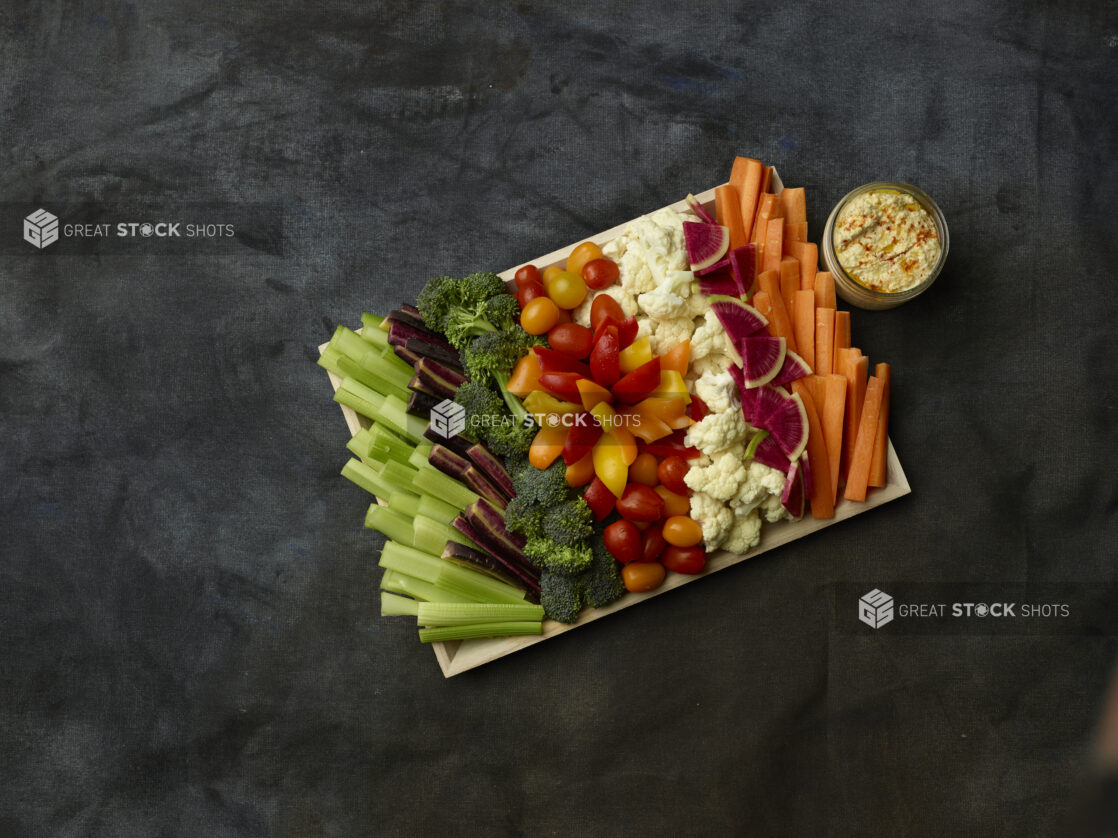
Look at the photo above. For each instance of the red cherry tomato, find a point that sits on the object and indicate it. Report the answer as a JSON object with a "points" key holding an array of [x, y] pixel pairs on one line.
{"points": [[605, 308], [685, 559], [652, 544], [623, 540], [571, 339], [526, 274], [600, 273], [528, 292], [640, 503], [671, 473]]}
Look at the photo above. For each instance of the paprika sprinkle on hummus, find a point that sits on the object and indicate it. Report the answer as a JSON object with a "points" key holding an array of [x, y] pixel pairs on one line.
{"points": [[886, 241]]}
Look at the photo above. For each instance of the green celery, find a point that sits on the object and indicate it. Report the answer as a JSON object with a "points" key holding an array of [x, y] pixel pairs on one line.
{"points": [[447, 576], [387, 445], [401, 475], [344, 367], [418, 457], [355, 395], [431, 536], [465, 613], [404, 502], [444, 633], [401, 583], [433, 482], [368, 478], [394, 413], [495, 590], [394, 525], [397, 606], [437, 510], [403, 368], [359, 443], [378, 361], [371, 331]]}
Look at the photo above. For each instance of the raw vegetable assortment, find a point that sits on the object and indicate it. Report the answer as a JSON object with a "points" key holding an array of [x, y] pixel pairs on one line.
{"points": [[624, 413]]}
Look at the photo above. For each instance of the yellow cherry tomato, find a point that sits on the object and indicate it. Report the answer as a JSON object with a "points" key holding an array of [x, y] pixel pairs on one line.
{"points": [[539, 316], [567, 290], [585, 252], [681, 531], [644, 470]]}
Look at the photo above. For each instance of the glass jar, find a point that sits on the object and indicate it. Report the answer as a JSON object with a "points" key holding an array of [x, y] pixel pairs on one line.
{"points": [[847, 285]]}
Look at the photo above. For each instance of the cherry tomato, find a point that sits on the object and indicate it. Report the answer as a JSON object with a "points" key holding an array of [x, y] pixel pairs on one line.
{"points": [[605, 308], [642, 576], [673, 504], [526, 274], [685, 559], [671, 473], [549, 274], [639, 503], [539, 316], [623, 540], [643, 470], [564, 317], [682, 531], [566, 289], [652, 544], [571, 339], [528, 292], [600, 273], [585, 252]]}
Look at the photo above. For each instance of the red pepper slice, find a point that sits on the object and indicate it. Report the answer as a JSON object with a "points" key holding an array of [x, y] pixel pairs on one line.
{"points": [[638, 384], [698, 409], [670, 446], [562, 385], [583, 433], [605, 363], [551, 360]]}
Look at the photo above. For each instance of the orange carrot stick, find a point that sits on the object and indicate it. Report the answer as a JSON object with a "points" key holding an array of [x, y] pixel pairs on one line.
{"points": [[789, 284], [857, 479], [794, 231], [766, 178], [855, 367], [795, 204], [878, 466], [808, 254], [842, 334], [825, 290], [727, 211], [824, 339], [822, 504], [745, 176], [774, 235], [803, 321], [763, 305], [818, 387], [834, 410], [780, 324]]}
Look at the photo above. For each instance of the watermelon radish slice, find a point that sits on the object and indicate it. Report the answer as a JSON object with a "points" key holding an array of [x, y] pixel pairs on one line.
{"points": [[767, 400], [805, 471], [740, 320], [698, 209], [792, 498], [762, 358], [720, 265], [706, 243], [743, 265], [768, 454], [794, 367], [748, 402], [788, 426], [719, 284]]}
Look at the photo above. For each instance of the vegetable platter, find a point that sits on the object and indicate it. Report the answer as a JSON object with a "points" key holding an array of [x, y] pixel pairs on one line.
{"points": [[474, 511]]}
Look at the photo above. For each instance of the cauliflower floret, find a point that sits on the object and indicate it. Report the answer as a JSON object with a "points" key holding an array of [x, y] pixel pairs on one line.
{"points": [[710, 337], [761, 483], [723, 477], [669, 299], [710, 365], [718, 391], [744, 534], [717, 432], [698, 304], [667, 334], [713, 516], [636, 275], [773, 509]]}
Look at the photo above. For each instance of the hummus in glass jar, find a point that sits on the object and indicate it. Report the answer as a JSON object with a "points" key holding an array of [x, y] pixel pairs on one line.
{"points": [[886, 241]]}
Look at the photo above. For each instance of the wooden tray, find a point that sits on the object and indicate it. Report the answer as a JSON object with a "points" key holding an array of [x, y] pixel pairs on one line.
{"points": [[460, 655]]}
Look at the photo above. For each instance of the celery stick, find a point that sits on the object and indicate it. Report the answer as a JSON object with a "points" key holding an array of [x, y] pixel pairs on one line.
{"points": [[465, 613], [368, 478], [394, 525], [437, 510], [379, 361], [401, 583], [385, 445], [476, 585], [348, 342], [359, 443], [436, 635], [394, 413], [398, 606], [401, 475], [431, 536], [433, 482], [389, 356], [356, 395], [370, 330], [405, 503], [344, 367], [374, 381]]}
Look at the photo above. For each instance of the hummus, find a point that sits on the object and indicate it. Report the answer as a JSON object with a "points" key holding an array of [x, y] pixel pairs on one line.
{"points": [[886, 241]]}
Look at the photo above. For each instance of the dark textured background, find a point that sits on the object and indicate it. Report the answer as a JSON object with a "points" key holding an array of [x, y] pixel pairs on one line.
{"points": [[189, 637]]}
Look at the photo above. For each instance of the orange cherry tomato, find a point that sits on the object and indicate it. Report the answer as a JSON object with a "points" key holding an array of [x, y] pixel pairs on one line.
{"points": [[585, 252], [539, 316], [673, 504], [549, 274], [681, 531], [600, 273], [642, 576], [643, 470]]}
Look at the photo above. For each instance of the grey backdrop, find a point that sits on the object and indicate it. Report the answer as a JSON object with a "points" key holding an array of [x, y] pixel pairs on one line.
{"points": [[189, 633]]}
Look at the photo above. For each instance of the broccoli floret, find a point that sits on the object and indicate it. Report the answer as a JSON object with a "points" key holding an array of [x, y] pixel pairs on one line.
{"points": [[462, 324], [569, 523], [511, 438], [602, 584], [541, 487], [493, 355], [524, 516], [482, 404], [502, 310], [560, 596], [547, 555], [477, 288], [438, 297]]}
